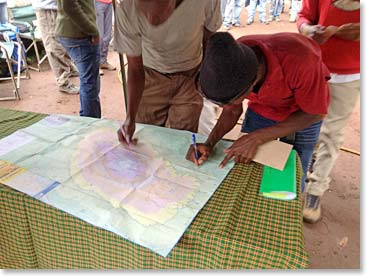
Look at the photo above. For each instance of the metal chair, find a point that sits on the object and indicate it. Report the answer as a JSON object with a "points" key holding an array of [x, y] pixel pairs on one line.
{"points": [[6, 50], [26, 16]]}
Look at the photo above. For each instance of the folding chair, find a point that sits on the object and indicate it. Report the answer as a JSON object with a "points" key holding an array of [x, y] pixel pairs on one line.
{"points": [[6, 50], [26, 16]]}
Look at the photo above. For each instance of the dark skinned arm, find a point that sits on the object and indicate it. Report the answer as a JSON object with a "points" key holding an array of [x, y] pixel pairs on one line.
{"points": [[244, 149], [225, 123], [349, 31], [135, 89], [321, 34]]}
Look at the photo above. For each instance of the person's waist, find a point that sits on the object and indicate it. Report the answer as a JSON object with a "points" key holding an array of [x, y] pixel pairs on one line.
{"points": [[189, 72]]}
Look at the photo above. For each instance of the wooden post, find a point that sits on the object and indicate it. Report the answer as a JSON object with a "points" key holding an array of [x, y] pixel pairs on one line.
{"points": [[122, 65]]}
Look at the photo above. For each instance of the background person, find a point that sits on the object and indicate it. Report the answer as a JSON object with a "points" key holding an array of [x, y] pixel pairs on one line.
{"points": [[77, 31], [335, 25], [60, 62], [104, 11], [276, 7], [3, 12], [232, 13], [251, 11]]}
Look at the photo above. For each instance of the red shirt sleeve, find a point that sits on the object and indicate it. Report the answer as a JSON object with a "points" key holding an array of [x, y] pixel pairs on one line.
{"points": [[309, 13]]}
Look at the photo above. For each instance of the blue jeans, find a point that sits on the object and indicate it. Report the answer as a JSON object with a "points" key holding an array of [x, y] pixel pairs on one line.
{"points": [[276, 10], [3, 13], [232, 12], [304, 141], [223, 5], [251, 10], [86, 57], [104, 24]]}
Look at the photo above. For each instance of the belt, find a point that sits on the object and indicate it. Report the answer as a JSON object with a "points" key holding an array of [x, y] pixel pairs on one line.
{"points": [[181, 73]]}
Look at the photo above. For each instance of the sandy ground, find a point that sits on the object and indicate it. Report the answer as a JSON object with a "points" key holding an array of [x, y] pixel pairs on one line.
{"points": [[334, 242]]}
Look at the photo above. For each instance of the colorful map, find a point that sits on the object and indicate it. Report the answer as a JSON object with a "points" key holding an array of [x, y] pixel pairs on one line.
{"points": [[148, 193]]}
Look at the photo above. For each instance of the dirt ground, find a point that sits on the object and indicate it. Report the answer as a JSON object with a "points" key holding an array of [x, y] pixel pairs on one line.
{"points": [[334, 242]]}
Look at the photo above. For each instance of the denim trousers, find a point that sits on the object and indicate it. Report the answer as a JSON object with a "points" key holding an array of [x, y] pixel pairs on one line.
{"points": [[303, 142], [3, 13], [276, 7], [86, 57], [223, 4], [104, 24], [232, 12], [251, 10]]}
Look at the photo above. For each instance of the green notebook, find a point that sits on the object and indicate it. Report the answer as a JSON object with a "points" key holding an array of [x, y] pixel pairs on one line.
{"points": [[280, 184]]}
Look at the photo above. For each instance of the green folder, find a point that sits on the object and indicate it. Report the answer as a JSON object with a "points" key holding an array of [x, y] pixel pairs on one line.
{"points": [[280, 184]]}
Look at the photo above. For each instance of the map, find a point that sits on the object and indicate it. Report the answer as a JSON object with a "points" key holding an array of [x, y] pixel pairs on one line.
{"points": [[147, 193]]}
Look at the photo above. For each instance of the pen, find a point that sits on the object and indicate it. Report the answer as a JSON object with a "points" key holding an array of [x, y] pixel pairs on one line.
{"points": [[194, 145]]}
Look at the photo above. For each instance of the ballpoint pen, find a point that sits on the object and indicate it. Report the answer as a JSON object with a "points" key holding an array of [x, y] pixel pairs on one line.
{"points": [[194, 145]]}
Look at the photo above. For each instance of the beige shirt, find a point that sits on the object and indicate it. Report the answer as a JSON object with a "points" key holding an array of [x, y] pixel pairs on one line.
{"points": [[175, 45]]}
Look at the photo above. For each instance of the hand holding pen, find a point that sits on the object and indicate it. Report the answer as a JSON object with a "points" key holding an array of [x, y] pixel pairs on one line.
{"points": [[198, 152]]}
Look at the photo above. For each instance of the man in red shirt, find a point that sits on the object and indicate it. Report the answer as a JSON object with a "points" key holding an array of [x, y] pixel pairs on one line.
{"points": [[335, 25], [285, 81]]}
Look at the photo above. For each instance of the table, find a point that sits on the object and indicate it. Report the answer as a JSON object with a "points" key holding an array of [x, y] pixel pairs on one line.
{"points": [[236, 229]]}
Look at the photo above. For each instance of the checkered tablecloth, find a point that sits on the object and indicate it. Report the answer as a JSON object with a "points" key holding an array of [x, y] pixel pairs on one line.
{"points": [[236, 229]]}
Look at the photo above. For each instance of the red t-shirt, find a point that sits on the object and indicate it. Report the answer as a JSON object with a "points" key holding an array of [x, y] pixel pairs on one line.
{"points": [[341, 56], [296, 77]]}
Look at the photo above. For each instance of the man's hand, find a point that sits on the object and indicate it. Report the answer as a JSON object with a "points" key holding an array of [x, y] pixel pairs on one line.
{"points": [[320, 33], [203, 151], [349, 31], [95, 40], [244, 149], [126, 132]]}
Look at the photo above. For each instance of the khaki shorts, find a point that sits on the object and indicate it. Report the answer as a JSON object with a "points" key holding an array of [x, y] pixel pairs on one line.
{"points": [[170, 100]]}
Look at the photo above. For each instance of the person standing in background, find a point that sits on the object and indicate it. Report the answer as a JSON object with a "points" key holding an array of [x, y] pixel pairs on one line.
{"points": [[276, 7], [76, 29], [335, 25], [104, 24], [251, 11], [295, 7], [59, 60], [3, 12], [232, 13], [223, 4]]}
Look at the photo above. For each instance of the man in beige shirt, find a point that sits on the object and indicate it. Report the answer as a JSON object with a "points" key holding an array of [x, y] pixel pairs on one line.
{"points": [[164, 42]]}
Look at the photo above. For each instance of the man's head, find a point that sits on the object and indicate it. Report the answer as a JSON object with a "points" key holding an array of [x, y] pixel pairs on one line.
{"points": [[228, 71], [157, 11]]}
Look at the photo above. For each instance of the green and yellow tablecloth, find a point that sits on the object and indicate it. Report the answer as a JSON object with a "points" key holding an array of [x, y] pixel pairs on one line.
{"points": [[236, 229]]}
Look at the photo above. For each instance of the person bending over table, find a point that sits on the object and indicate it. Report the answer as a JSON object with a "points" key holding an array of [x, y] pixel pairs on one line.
{"points": [[285, 81], [164, 41]]}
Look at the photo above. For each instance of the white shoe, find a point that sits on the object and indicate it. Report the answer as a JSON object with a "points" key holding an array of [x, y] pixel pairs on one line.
{"points": [[71, 89], [293, 18]]}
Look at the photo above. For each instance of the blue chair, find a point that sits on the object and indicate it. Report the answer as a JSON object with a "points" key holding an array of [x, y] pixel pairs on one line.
{"points": [[25, 17]]}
